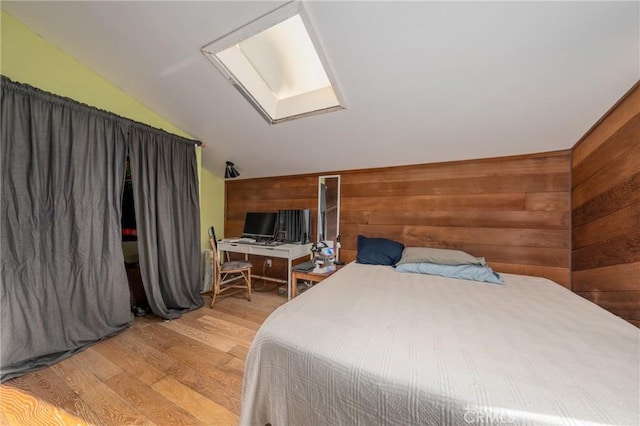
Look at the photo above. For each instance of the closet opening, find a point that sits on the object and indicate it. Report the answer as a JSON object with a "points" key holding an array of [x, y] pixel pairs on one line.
{"points": [[138, 297]]}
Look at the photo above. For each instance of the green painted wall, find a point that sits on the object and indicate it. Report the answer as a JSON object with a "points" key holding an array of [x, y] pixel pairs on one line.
{"points": [[26, 57], [212, 201]]}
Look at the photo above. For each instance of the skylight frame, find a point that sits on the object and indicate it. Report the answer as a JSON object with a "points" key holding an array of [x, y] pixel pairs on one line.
{"points": [[257, 26]]}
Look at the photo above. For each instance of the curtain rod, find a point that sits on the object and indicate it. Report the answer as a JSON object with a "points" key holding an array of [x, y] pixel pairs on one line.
{"points": [[126, 122]]}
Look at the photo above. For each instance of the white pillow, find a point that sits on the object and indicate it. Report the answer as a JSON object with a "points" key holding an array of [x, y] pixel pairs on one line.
{"points": [[439, 256]]}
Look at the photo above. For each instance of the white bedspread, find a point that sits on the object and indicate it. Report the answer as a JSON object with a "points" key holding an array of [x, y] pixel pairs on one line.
{"points": [[371, 346]]}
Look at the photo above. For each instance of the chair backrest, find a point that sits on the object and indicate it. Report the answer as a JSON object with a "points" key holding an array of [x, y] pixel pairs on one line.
{"points": [[213, 242], [212, 238]]}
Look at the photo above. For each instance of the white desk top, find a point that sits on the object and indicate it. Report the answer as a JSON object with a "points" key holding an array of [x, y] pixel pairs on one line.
{"points": [[285, 251]]}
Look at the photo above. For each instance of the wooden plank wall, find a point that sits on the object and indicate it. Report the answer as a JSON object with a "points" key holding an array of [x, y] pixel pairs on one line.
{"points": [[606, 211], [515, 211], [265, 195]]}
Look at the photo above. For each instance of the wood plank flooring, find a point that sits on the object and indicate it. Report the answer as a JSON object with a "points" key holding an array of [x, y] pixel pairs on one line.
{"points": [[185, 371]]}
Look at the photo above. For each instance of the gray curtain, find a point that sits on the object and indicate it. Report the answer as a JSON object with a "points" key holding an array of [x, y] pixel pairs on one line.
{"points": [[165, 190], [64, 284]]}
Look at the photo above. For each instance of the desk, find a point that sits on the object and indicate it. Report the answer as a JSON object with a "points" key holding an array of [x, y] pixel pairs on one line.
{"points": [[290, 252]]}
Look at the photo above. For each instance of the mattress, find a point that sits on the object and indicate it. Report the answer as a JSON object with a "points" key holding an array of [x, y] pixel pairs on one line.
{"points": [[372, 346]]}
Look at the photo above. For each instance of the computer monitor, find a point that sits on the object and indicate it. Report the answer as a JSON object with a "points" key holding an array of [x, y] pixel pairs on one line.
{"points": [[260, 225], [294, 226]]}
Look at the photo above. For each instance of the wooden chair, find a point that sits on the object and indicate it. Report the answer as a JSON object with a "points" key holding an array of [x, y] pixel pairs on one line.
{"points": [[222, 272]]}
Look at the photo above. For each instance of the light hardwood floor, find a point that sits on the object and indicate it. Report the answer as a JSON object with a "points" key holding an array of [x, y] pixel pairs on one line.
{"points": [[185, 371]]}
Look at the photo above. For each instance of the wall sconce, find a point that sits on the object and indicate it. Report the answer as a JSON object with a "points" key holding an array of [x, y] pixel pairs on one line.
{"points": [[231, 171]]}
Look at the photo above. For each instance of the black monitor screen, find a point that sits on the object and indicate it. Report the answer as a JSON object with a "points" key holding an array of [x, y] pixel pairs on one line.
{"points": [[260, 225]]}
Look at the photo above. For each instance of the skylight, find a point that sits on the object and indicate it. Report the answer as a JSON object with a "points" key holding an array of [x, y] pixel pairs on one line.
{"points": [[277, 66]]}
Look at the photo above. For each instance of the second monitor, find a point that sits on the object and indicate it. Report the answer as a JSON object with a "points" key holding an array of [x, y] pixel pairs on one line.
{"points": [[294, 226]]}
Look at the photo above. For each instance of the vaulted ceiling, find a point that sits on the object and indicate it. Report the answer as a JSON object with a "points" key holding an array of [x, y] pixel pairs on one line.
{"points": [[422, 81]]}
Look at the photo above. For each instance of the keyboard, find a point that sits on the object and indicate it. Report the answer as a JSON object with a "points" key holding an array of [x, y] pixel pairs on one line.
{"points": [[266, 243], [252, 242], [239, 240]]}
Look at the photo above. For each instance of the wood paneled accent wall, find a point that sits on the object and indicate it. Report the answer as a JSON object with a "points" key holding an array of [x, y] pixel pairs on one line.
{"points": [[515, 211], [606, 211], [268, 195]]}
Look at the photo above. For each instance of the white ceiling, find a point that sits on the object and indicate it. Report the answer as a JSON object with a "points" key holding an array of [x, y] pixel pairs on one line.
{"points": [[422, 81]]}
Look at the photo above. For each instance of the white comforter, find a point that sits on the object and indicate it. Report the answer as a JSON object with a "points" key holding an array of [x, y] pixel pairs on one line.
{"points": [[371, 346]]}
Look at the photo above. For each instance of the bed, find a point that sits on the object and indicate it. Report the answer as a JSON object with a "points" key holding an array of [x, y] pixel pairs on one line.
{"points": [[373, 346]]}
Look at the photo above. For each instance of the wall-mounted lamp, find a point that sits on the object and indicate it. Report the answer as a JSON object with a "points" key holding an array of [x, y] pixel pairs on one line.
{"points": [[231, 171]]}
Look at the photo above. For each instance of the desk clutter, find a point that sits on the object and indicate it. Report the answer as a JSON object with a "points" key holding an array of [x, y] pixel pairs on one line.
{"points": [[324, 257]]}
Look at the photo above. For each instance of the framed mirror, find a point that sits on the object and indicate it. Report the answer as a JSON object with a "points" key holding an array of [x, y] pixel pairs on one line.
{"points": [[329, 209]]}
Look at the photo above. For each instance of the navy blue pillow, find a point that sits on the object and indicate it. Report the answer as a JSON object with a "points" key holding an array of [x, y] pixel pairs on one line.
{"points": [[378, 251]]}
